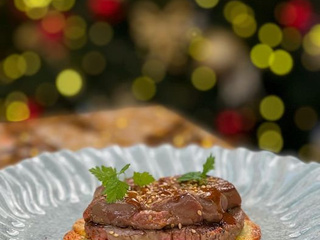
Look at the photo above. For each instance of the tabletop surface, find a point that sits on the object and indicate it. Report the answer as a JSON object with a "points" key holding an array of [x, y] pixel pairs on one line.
{"points": [[151, 125]]}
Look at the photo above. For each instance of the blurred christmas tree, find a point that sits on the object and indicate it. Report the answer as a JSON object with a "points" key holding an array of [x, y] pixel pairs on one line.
{"points": [[248, 69]]}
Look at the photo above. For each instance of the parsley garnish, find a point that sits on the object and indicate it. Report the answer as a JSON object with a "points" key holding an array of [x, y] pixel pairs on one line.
{"points": [[114, 188], [142, 179], [199, 176]]}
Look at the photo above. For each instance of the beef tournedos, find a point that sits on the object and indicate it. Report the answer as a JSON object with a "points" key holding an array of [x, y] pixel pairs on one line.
{"points": [[167, 209]]}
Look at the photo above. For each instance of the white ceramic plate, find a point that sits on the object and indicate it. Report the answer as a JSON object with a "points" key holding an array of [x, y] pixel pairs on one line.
{"points": [[40, 198]]}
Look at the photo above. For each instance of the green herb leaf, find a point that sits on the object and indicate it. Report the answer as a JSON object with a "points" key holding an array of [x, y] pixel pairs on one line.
{"points": [[125, 168], [142, 179], [114, 187], [190, 176], [103, 173], [115, 190], [199, 176], [208, 165]]}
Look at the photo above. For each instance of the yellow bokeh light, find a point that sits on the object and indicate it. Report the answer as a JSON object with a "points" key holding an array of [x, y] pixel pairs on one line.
{"points": [[309, 46], [307, 151], [155, 69], [69, 82], [281, 62], [75, 27], [203, 78], [315, 35], [37, 3], [37, 13], [75, 44], [271, 141], [234, 9], [46, 94], [63, 5], [207, 3], [100, 33], [270, 34], [272, 108], [200, 49], [20, 5], [260, 55], [291, 39], [305, 118], [244, 25], [268, 126], [16, 96], [144, 88], [93, 63], [33, 62], [17, 111], [14, 66]]}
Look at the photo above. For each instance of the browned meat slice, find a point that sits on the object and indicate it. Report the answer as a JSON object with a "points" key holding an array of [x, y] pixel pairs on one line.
{"points": [[165, 203], [225, 230]]}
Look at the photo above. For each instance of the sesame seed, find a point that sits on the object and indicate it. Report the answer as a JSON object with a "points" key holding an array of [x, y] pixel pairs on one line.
{"points": [[149, 217], [193, 231], [172, 225], [179, 225], [116, 235], [199, 213], [111, 232]]}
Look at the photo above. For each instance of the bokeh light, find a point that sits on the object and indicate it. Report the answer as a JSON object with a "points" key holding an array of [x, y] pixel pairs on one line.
{"points": [[309, 46], [272, 108], [207, 3], [234, 9], [144, 88], [69, 82], [281, 62], [33, 62], [292, 39], [75, 27], [46, 94], [315, 35], [244, 25], [36, 13], [54, 22], [14, 66], [271, 141], [16, 96], [200, 49], [94, 63], [305, 118], [37, 3], [63, 5], [203, 78], [154, 69], [260, 55], [268, 126], [17, 111], [270, 34], [100, 33]]}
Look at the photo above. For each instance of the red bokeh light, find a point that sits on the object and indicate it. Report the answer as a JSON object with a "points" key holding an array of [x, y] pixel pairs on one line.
{"points": [[296, 13], [111, 10], [229, 122]]}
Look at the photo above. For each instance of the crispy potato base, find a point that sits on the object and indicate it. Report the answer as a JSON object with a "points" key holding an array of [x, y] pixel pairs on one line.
{"points": [[250, 231]]}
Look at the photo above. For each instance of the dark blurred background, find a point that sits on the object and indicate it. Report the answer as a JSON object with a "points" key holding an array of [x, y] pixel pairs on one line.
{"points": [[248, 70]]}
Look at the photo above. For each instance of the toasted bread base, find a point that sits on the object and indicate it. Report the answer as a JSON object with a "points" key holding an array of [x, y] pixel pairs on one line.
{"points": [[250, 231]]}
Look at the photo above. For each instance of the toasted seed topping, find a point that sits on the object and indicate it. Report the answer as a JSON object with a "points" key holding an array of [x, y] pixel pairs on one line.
{"points": [[199, 213], [111, 232], [116, 235], [179, 225], [149, 217], [193, 231]]}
